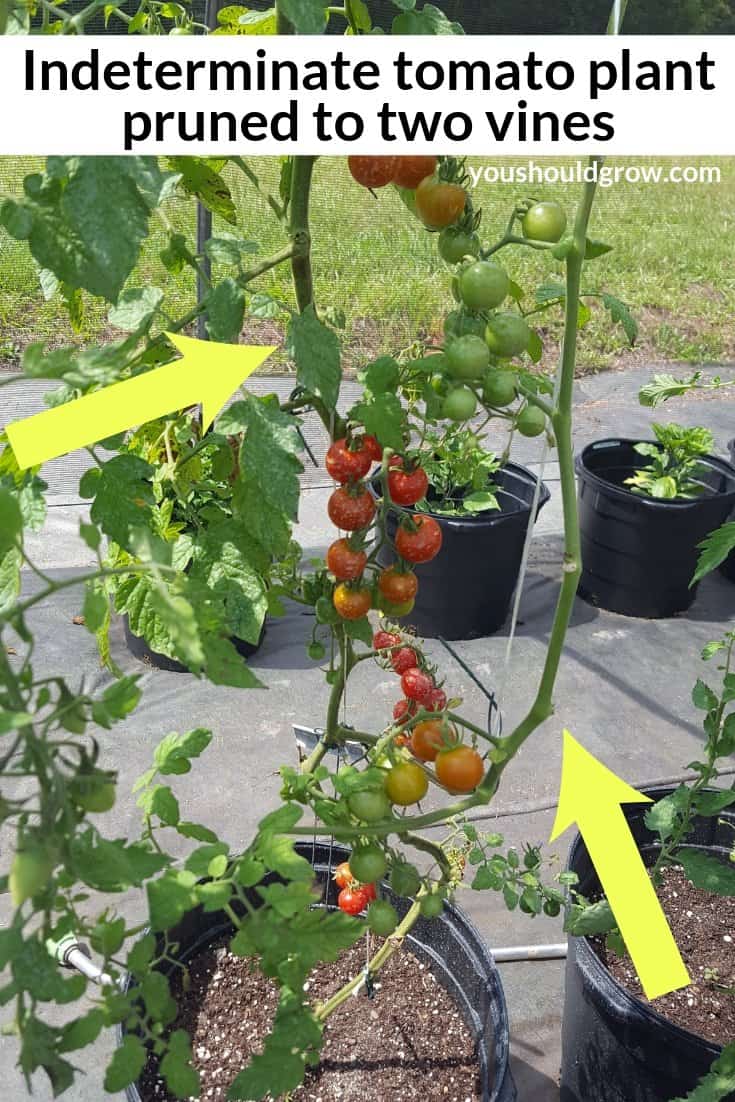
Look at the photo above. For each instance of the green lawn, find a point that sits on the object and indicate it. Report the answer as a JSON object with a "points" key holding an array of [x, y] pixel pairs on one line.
{"points": [[672, 264]]}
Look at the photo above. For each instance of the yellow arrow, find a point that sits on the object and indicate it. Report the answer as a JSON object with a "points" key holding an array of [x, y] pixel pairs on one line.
{"points": [[207, 373], [590, 796]]}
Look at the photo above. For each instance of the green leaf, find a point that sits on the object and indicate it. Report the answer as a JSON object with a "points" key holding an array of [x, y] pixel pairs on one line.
{"points": [[82, 1031], [169, 899], [201, 858], [707, 872], [429, 20], [718, 1083], [225, 305], [714, 550], [94, 609], [593, 249], [663, 816], [535, 347], [280, 1067], [117, 701], [620, 313], [662, 387], [176, 1068], [712, 803], [223, 559], [128, 1061], [135, 309], [480, 501], [315, 350], [226, 666], [11, 521], [703, 697], [200, 177], [262, 305], [381, 375], [157, 997], [598, 918], [10, 564], [384, 417], [110, 865], [122, 494], [197, 832], [174, 752], [305, 16], [161, 802], [360, 630]]}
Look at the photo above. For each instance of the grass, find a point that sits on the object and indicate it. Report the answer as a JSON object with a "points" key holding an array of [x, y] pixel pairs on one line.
{"points": [[672, 264]]}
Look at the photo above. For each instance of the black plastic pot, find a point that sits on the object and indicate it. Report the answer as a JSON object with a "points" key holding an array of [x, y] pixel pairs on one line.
{"points": [[450, 946], [614, 1047], [140, 649], [638, 553], [465, 592]]}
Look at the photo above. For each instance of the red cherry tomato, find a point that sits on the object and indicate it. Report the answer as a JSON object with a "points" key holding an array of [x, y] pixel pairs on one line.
{"points": [[437, 702], [372, 446], [372, 172], [423, 543], [351, 509], [352, 900], [439, 204], [398, 585], [417, 685], [342, 875], [369, 891], [384, 639], [407, 487], [345, 563], [403, 659], [347, 463], [460, 769], [402, 709], [429, 737], [412, 170]]}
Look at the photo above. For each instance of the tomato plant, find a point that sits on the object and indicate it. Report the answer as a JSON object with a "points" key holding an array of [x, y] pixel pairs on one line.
{"points": [[429, 737]]}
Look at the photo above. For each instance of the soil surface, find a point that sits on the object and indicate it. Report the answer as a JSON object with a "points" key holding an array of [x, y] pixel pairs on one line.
{"points": [[409, 1042], [703, 925]]}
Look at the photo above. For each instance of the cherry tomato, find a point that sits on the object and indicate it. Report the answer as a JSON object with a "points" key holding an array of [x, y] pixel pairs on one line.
{"points": [[531, 421], [372, 446], [437, 702], [544, 222], [29, 873], [369, 890], [483, 285], [351, 509], [382, 917], [507, 334], [459, 769], [395, 609], [368, 862], [455, 244], [412, 170], [384, 639], [403, 709], [395, 461], [439, 204], [460, 404], [93, 792], [403, 659], [422, 543], [406, 783], [345, 463], [352, 602], [352, 901], [416, 685], [499, 387], [345, 564], [398, 586], [369, 805], [429, 737], [343, 875], [467, 357], [463, 323], [407, 487], [372, 172], [432, 906]]}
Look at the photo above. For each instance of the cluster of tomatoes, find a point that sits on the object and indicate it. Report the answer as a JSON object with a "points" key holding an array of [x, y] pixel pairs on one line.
{"points": [[351, 507], [438, 202]]}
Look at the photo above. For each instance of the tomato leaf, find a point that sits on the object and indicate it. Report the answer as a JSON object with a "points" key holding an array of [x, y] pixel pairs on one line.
{"points": [[176, 1068], [429, 20], [718, 1083], [200, 176], [316, 352], [706, 872], [714, 550], [306, 16], [620, 313], [225, 305], [135, 309], [384, 417]]}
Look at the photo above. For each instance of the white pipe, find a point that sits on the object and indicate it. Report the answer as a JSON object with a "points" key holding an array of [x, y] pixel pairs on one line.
{"points": [[530, 952], [75, 958]]}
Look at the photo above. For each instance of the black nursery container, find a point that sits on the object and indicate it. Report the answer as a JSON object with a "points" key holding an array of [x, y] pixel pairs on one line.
{"points": [[450, 946], [616, 1048], [638, 553], [465, 592], [140, 649]]}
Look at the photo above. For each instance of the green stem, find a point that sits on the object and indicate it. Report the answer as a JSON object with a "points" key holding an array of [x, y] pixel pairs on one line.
{"points": [[332, 730]]}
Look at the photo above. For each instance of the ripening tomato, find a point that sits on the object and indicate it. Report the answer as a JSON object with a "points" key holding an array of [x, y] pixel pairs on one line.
{"points": [[352, 901], [345, 564], [351, 509], [406, 783], [412, 170], [398, 585], [371, 445], [459, 769], [403, 659], [372, 172], [348, 462], [419, 542], [352, 602], [407, 487], [382, 640], [343, 875], [430, 736], [439, 204], [404, 709], [416, 685], [437, 702]]}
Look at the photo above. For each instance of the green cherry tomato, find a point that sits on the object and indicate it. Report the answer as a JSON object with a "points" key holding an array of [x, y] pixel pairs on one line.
{"points": [[463, 323], [395, 608], [455, 244], [93, 792], [467, 357], [369, 805], [455, 289], [460, 404], [368, 863], [439, 385], [544, 222], [382, 917], [483, 285], [499, 387], [531, 421], [507, 334], [432, 906], [29, 872]]}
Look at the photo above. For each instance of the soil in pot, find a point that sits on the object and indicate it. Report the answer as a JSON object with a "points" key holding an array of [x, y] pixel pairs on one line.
{"points": [[703, 925], [409, 1042]]}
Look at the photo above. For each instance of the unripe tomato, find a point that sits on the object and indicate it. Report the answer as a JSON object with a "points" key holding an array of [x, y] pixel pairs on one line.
{"points": [[351, 509], [507, 334], [384, 639], [403, 659], [410, 171], [382, 917], [368, 862], [416, 685], [432, 906], [369, 805], [483, 285], [467, 357], [460, 769], [406, 784], [455, 244], [345, 564], [94, 792], [29, 873], [419, 543], [429, 737], [531, 421], [460, 404], [403, 709], [352, 901], [439, 204], [372, 172], [374, 449], [398, 586], [544, 222], [499, 387], [351, 602], [407, 487], [343, 875], [395, 609], [463, 323], [348, 464]]}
